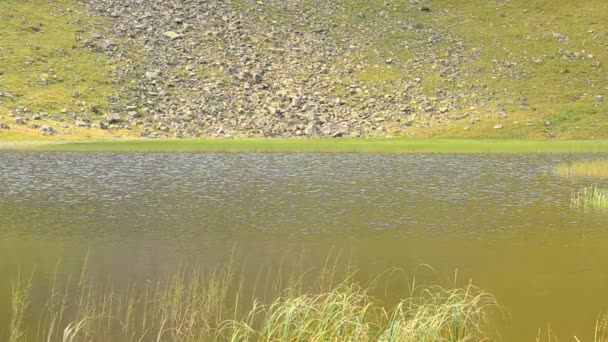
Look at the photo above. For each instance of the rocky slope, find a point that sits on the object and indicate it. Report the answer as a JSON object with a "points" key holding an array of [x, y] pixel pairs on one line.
{"points": [[228, 68], [344, 68]]}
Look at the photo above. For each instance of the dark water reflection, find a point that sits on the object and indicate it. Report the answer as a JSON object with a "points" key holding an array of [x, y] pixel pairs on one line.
{"points": [[502, 220]]}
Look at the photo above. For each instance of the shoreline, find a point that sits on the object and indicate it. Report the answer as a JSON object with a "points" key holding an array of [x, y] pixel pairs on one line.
{"points": [[294, 145]]}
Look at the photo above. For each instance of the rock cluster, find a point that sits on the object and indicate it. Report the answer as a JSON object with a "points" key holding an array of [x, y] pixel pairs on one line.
{"points": [[272, 68]]}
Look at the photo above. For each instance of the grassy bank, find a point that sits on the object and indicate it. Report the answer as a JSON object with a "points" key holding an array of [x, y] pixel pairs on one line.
{"points": [[314, 146]]}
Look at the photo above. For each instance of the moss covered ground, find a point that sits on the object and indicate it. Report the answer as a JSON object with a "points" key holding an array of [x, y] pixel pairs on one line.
{"points": [[44, 63]]}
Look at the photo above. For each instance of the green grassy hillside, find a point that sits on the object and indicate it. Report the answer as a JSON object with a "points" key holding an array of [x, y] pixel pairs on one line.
{"points": [[50, 72], [540, 65], [475, 69]]}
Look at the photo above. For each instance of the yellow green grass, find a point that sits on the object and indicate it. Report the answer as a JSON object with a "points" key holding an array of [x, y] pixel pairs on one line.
{"points": [[590, 197], [211, 306], [197, 306], [600, 332], [552, 54], [597, 168], [375, 145], [44, 64]]}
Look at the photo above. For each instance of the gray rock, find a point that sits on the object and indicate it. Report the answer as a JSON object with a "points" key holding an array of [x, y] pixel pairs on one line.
{"points": [[332, 130], [152, 75], [81, 123], [223, 66], [47, 130], [99, 125], [499, 126], [599, 98], [36, 116], [113, 118], [172, 35], [4, 126], [312, 130], [19, 120]]}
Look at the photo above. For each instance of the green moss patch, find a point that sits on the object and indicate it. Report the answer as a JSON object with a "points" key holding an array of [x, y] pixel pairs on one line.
{"points": [[48, 58]]}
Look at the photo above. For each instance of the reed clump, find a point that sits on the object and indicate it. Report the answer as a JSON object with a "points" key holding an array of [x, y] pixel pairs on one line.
{"points": [[212, 306], [187, 306], [585, 168], [348, 313], [590, 197], [438, 314], [600, 333]]}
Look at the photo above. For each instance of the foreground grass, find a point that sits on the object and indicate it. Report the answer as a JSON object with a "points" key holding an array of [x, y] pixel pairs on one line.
{"points": [[212, 307], [590, 168], [590, 197], [384, 145]]}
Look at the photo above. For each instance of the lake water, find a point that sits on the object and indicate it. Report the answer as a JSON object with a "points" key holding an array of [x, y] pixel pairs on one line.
{"points": [[503, 221]]}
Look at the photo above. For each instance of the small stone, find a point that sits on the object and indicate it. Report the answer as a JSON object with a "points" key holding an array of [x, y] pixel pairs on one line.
{"points": [[599, 98], [81, 123], [18, 120], [4, 126], [473, 121], [312, 130], [47, 130], [332, 130], [152, 75], [36, 116], [499, 126], [113, 118], [96, 124], [172, 35]]}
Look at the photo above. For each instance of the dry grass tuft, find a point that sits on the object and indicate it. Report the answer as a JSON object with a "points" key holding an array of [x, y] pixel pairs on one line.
{"points": [[589, 168]]}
